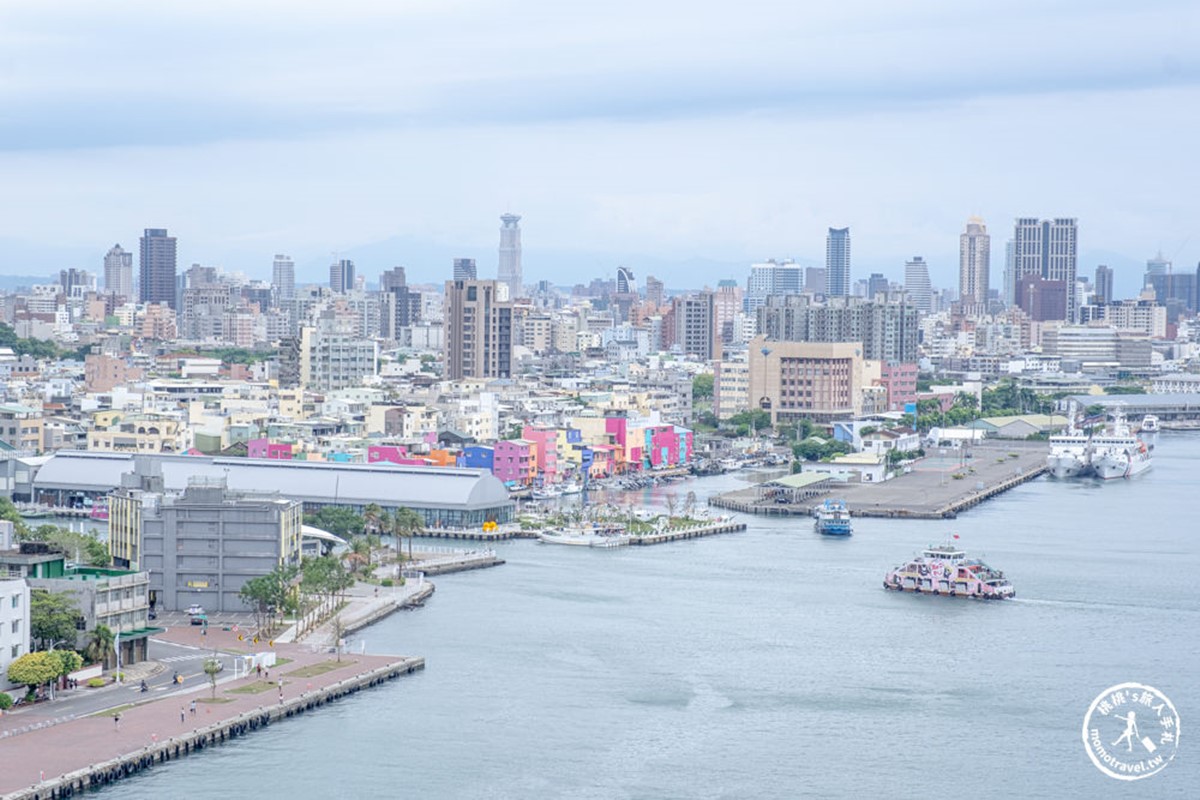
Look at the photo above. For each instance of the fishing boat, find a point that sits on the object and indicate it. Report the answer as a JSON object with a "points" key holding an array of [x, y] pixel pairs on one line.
{"points": [[572, 488], [546, 493], [833, 518], [946, 570], [586, 536]]}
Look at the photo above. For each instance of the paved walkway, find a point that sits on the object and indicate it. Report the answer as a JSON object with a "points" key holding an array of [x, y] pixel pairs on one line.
{"points": [[52, 751]]}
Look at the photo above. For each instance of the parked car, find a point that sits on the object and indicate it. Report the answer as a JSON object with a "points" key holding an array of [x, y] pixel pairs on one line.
{"points": [[199, 619], [195, 608]]}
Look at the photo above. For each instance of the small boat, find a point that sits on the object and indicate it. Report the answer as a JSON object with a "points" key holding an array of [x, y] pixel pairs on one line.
{"points": [[546, 493], [584, 536], [1149, 424], [35, 512], [946, 570], [833, 518], [572, 488]]}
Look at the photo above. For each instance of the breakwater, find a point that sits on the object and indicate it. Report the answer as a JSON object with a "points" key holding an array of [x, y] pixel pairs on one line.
{"points": [[94, 776], [688, 533]]}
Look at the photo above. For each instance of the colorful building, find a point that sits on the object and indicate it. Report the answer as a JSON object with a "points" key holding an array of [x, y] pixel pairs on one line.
{"points": [[515, 461]]}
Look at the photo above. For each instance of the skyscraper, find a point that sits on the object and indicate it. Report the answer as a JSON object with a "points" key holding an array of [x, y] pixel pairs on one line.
{"points": [[341, 276], [464, 269], [837, 262], [1157, 266], [283, 277], [510, 254], [626, 283], [118, 272], [876, 284], [769, 278], [478, 331], [916, 283], [157, 267], [655, 291], [974, 260], [1104, 285], [1047, 248], [391, 279]]}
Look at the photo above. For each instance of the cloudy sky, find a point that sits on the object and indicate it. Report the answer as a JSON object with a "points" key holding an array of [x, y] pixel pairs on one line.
{"points": [[684, 138]]}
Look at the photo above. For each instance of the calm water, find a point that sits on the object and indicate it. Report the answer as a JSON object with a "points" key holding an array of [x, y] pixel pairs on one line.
{"points": [[770, 663]]}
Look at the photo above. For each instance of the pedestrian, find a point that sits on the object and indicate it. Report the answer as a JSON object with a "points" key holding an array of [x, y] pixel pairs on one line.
{"points": [[182, 715], [267, 674], [117, 721], [193, 709], [258, 670]]}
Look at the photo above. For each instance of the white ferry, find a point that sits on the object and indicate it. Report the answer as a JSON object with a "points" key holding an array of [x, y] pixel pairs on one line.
{"points": [[946, 570]]}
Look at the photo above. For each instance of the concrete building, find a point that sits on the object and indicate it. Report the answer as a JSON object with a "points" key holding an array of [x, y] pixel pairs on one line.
{"points": [[1043, 300], [1104, 285], [917, 284], [974, 263], [21, 428], [283, 278], [837, 262], [1097, 347], [118, 272], [695, 325], [332, 358], [157, 267], [203, 544], [886, 331], [139, 433], [1139, 316], [772, 277], [119, 599], [820, 382], [1046, 249], [464, 269], [731, 388], [103, 373], [341, 276], [509, 272], [478, 331], [14, 625]]}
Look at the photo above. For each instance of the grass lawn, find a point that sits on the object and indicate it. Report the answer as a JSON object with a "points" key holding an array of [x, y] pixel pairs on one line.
{"points": [[257, 687], [214, 699], [313, 670]]}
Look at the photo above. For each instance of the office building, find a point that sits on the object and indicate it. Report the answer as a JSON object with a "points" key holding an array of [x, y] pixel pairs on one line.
{"points": [[332, 357], [464, 269], [1046, 249], [283, 278], [695, 325], [886, 331], [341, 276], [974, 259], [820, 382], [510, 254], [156, 268], [118, 272], [626, 283], [771, 277], [478, 330], [655, 291], [392, 279], [916, 283], [837, 262], [1104, 285], [1157, 266], [1043, 300], [877, 284]]}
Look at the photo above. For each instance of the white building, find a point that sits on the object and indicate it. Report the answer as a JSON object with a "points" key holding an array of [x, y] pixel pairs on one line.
{"points": [[916, 283], [14, 624]]}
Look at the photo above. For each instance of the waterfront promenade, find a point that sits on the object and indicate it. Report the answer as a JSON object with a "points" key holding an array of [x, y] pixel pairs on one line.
{"points": [[91, 748]]}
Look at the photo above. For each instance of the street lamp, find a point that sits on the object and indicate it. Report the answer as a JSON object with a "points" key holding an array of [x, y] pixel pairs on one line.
{"points": [[117, 649]]}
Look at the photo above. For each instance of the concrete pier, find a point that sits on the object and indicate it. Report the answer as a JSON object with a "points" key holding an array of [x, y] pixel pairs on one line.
{"points": [[689, 533]]}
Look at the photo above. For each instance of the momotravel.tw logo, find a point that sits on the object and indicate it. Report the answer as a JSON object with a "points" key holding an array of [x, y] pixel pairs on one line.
{"points": [[1131, 731]]}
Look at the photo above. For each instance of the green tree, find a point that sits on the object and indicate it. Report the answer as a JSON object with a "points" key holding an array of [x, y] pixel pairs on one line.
{"points": [[100, 646], [83, 546], [34, 669], [702, 387], [371, 515], [68, 660], [211, 667], [52, 617], [408, 524], [1124, 388], [343, 522]]}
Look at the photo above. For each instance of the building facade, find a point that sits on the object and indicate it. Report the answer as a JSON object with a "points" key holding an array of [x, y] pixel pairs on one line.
{"points": [[1047, 249], [819, 382], [974, 263], [118, 272], [14, 625], [478, 331], [917, 284], [341, 276], [886, 331], [156, 267], [509, 272], [837, 262]]}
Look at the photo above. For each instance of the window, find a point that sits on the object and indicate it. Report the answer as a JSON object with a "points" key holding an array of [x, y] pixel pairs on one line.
{"points": [[16, 651], [16, 626], [16, 601]]}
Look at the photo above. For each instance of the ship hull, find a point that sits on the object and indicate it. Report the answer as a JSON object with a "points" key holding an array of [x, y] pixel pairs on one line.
{"points": [[1110, 468]]}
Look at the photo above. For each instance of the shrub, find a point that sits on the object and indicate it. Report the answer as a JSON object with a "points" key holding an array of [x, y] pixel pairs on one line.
{"points": [[6, 701], [96, 683], [386, 582]]}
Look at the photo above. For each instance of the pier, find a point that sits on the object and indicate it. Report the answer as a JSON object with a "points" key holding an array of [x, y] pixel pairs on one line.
{"points": [[688, 533], [940, 486]]}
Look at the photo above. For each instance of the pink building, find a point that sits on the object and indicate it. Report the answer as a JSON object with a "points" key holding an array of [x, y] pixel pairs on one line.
{"points": [[900, 380], [545, 442], [265, 448], [515, 460], [395, 453]]}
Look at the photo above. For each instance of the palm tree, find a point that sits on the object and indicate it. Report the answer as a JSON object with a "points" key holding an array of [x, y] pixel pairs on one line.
{"points": [[100, 645], [409, 524], [372, 514]]}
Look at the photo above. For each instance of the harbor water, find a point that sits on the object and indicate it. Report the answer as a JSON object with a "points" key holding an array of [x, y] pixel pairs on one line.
{"points": [[769, 663]]}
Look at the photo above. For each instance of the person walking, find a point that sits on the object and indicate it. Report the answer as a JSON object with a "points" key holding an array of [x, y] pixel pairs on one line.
{"points": [[193, 708], [182, 715], [117, 721], [281, 690]]}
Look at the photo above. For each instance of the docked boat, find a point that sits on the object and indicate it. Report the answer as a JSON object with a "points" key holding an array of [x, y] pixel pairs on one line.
{"points": [[1118, 453], [585, 536], [946, 570], [1069, 455], [833, 518], [1149, 424], [546, 493], [572, 488]]}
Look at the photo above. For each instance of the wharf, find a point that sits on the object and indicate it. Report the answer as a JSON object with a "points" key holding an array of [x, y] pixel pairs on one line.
{"points": [[437, 562], [75, 756], [688, 533], [476, 535], [938, 487]]}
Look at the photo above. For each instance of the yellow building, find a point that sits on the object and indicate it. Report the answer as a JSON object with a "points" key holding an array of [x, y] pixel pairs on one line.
{"points": [[815, 380]]}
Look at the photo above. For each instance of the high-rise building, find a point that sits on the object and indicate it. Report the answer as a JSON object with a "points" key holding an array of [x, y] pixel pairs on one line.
{"points": [[1047, 249], [696, 331], [655, 291], [391, 279], [814, 279], [1157, 266], [771, 277], [332, 357], [510, 254], [876, 284], [283, 277], [1010, 273], [464, 269], [974, 259], [1104, 285], [157, 267], [341, 276], [478, 331], [887, 331], [118, 272], [916, 283], [837, 262], [626, 283], [76, 282]]}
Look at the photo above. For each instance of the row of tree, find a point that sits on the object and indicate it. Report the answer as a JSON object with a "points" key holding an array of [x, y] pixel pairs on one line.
{"points": [[45, 666]]}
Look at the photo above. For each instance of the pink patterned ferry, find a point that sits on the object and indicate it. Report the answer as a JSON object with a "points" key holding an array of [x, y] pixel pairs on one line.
{"points": [[946, 570]]}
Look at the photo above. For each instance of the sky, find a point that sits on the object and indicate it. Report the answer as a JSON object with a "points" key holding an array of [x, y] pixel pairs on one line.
{"points": [[686, 139]]}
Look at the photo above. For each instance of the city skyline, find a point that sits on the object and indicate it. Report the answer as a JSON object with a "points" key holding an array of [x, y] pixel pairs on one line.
{"points": [[664, 157]]}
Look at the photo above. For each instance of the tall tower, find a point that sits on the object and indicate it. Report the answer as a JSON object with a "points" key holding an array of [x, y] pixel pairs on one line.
{"points": [[837, 262], [1047, 249], [283, 277], [341, 276], [118, 272], [974, 260], [510, 254], [157, 267], [464, 269], [1104, 285], [916, 283]]}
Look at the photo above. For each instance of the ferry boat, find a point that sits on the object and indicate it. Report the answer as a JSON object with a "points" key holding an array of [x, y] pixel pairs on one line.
{"points": [[833, 518], [1118, 453], [946, 570], [585, 537], [1149, 424]]}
